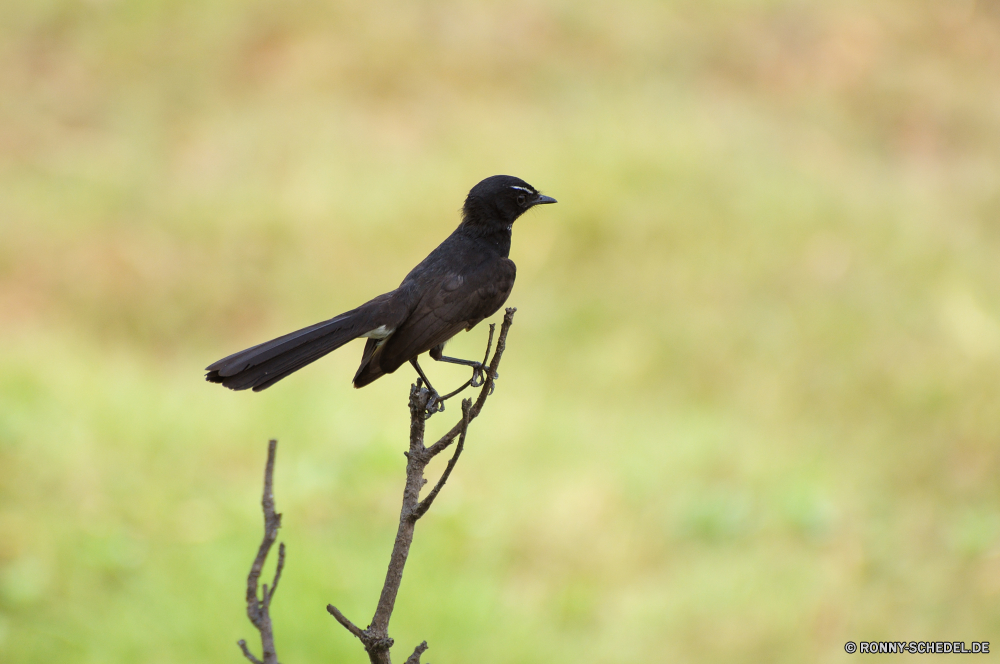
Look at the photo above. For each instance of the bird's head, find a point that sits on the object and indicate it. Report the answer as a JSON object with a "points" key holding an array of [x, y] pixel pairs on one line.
{"points": [[500, 199]]}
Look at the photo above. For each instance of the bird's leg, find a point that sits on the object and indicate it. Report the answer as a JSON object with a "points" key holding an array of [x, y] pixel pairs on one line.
{"points": [[453, 393], [435, 404], [478, 368]]}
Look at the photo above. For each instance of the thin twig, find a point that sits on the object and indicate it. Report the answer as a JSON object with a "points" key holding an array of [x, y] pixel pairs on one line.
{"points": [[277, 574], [246, 652], [417, 652], [343, 620], [258, 609], [425, 504]]}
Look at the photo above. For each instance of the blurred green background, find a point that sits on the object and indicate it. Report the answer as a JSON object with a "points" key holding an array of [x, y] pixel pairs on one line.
{"points": [[749, 408]]}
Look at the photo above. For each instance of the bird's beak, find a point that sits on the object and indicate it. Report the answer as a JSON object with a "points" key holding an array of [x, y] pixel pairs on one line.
{"points": [[542, 200]]}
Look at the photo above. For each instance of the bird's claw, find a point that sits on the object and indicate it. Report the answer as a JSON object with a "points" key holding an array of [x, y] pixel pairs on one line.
{"points": [[435, 404], [479, 377]]}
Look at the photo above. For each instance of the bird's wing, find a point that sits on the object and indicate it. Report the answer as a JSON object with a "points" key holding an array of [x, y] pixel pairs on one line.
{"points": [[459, 302]]}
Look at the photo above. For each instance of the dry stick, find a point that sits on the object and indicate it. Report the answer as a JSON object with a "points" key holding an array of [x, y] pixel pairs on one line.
{"points": [[417, 652], [376, 637], [258, 610], [425, 504]]}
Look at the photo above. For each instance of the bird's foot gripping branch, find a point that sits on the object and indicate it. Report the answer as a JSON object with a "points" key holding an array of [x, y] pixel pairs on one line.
{"points": [[480, 372], [375, 638]]}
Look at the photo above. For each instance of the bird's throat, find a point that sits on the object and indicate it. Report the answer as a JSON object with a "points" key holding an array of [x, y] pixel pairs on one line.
{"points": [[495, 234]]}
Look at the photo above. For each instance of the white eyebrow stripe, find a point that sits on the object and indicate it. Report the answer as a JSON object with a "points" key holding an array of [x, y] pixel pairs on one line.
{"points": [[514, 186]]}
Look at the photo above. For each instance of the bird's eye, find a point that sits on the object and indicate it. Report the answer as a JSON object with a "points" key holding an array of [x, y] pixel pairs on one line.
{"points": [[520, 199]]}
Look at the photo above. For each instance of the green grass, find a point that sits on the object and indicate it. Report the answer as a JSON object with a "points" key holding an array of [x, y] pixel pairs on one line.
{"points": [[749, 409]]}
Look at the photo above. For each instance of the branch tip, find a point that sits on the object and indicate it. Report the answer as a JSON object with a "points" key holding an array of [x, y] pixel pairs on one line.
{"points": [[246, 652], [417, 652], [343, 620]]}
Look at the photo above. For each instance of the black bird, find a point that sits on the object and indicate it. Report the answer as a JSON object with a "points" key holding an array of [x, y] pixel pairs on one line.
{"points": [[466, 279]]}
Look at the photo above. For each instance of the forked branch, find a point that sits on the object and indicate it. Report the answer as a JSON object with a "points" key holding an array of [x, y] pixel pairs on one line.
{"points": [[258, 608], [376, 638]]}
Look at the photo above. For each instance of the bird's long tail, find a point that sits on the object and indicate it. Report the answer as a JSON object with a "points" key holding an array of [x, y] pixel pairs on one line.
{"points": [[265, 364]]}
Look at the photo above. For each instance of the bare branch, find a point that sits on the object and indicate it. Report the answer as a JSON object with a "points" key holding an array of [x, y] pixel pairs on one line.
{"points": [[258, 608], [489, 342], [277, 575], [418, 651], [343, 620], [425, 504], [246, 652], [491, 378], [376, 638]]}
